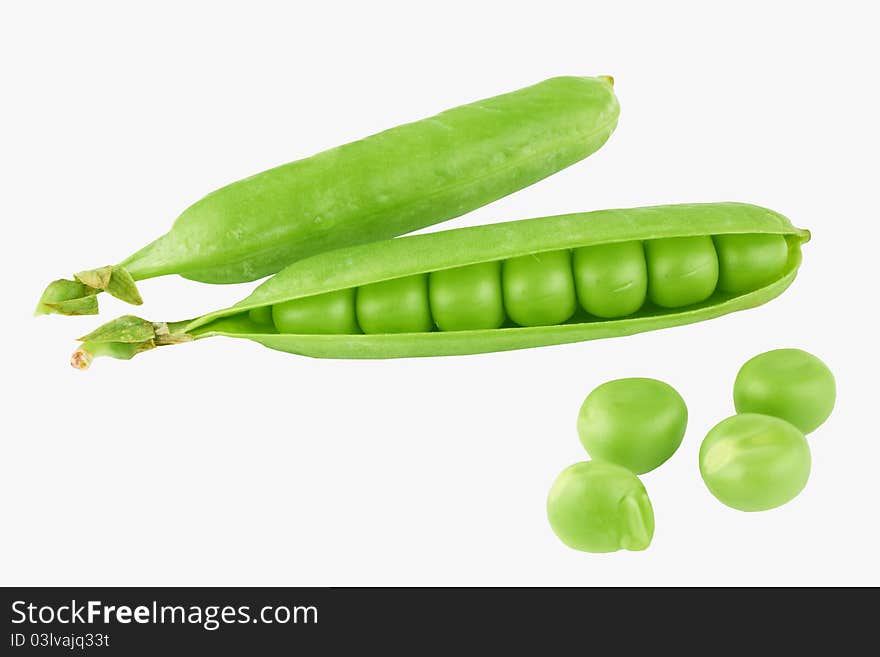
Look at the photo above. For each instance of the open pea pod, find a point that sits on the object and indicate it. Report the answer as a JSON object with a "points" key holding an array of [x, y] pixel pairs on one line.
{"points": [[527, 283], [384, 185]]}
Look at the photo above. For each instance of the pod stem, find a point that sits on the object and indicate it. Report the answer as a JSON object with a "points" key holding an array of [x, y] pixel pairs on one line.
{"points": [[79, 296], [126, 337]]}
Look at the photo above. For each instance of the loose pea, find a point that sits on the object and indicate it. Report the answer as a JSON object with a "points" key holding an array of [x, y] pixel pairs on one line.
{"points": [[681, 270], [399, 305], [611, 279], [467, 298], [261, 315], [539, 288], [754, 462], [600, 507], [328, 313], [748, 262], [636, 423], [788, 383]]}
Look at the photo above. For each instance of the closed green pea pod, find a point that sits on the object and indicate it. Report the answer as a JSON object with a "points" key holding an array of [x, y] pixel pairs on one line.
{"points": [[600, 507], [399, 305], [747, 262], [387, 184], [328, 313], [539, 288], [467, 298], [355, 268], [611, 279], [681, 270]]}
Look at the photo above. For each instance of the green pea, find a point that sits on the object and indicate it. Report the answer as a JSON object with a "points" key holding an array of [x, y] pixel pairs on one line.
{"points": [[328, 313], [467, 298], [747, 262], [386, 184], [399, 305], [600, 507], [636, 423], [539, 288], [261, 315], [755, 462], [681, 270], [788, 383], [611, 279]]}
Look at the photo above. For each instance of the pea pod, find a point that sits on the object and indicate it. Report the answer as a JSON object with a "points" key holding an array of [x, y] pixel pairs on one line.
{"points": [[387, 184], [401, 265]]}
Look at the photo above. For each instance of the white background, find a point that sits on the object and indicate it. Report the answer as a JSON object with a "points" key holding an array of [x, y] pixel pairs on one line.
{"points": [[222, 462]]}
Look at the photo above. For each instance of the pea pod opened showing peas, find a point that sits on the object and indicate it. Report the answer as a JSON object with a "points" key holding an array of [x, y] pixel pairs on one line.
{"points": [[388, 184], [513, 285]]}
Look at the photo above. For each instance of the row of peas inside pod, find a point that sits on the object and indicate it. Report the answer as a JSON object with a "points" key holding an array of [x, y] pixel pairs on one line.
{"points": [[755, 460], [605, 281]]}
